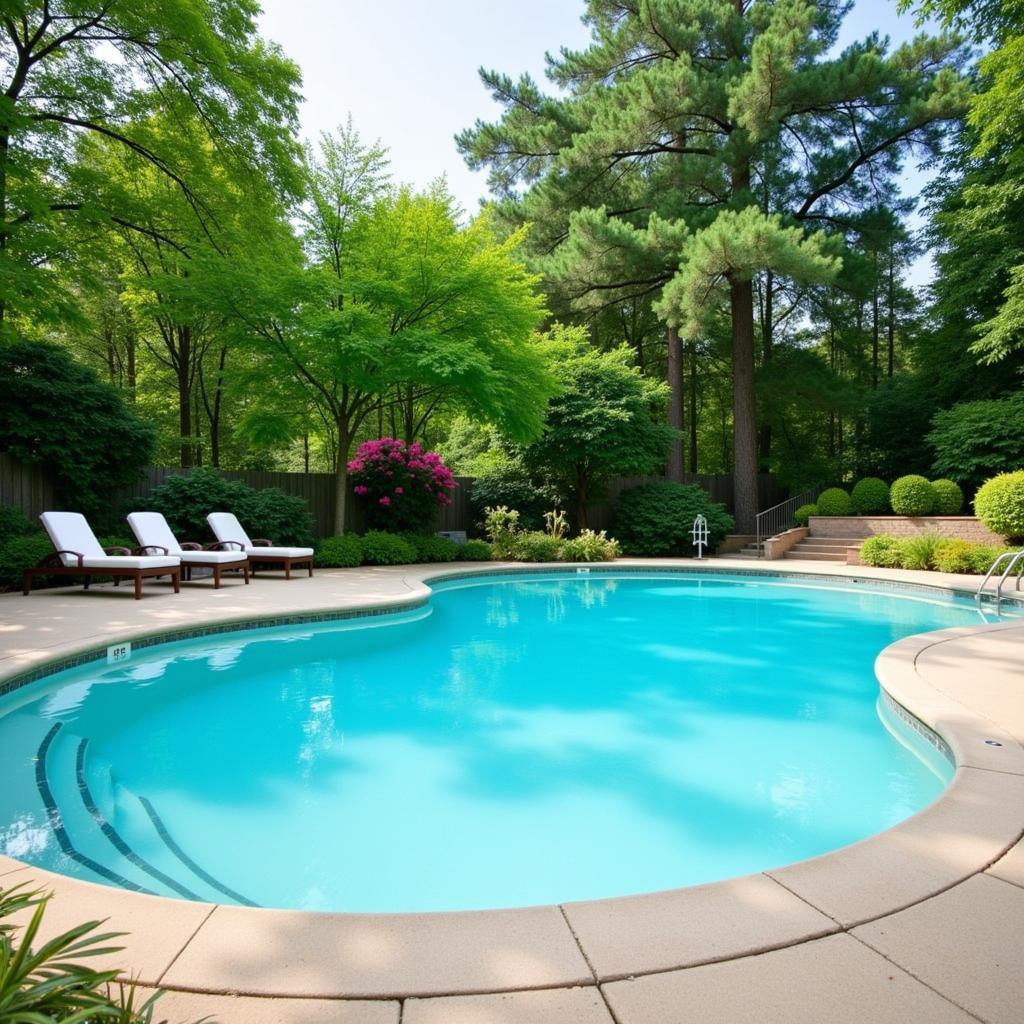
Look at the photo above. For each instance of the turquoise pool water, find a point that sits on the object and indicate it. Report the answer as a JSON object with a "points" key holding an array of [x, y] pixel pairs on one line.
{"points": [[517, 740]]}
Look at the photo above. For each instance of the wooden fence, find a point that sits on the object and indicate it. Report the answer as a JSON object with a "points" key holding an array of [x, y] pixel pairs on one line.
{"points": [[31, 490]]}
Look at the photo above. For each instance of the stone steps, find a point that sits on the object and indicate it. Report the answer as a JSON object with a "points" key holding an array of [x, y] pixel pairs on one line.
{"points": [[823, 549]]}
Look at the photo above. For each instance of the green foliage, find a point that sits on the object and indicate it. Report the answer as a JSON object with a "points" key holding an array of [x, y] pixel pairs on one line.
{"points": [[973, 440], [186, 500], [870, 496], [949, 498], [537, 546], [912, 495], [341, 552], [657, 519], [381, 548], [607, 421], [833, 501], [918, 552], [46, 982], [590, 547], [962, 556], [999, 504], [501, 524], [882, 551], [803, 514], [20, 553], [432, 548], [60, 416], [13, 523], [506, 481], [475, 551]]}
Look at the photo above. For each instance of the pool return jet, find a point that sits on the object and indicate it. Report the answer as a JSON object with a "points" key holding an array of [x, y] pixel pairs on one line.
{"points": [[700, 535]]}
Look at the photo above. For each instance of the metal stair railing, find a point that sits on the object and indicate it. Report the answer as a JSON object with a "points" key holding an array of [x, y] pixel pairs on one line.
{"points": [[1013, 558], [780, 517]]}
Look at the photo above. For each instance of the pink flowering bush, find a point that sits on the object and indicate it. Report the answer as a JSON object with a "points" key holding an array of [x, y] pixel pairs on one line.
{"points": [[401, 485]]}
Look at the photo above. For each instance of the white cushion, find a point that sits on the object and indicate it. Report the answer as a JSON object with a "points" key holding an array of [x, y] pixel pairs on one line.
{"points": [[255, 553], [225, 526], [69, 531], [151, 529], [132, 562], [212, 557]]}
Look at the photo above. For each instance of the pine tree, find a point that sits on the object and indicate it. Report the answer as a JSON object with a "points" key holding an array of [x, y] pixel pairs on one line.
{"points": [[695, 144]]}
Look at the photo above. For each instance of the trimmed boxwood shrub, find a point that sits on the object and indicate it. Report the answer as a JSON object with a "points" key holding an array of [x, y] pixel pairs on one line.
{"points": [[803, 514], [475, 551], [833, 502], [912, 496], [949, 499], [432, 548], [381, 548], [999, 504], [882, 551], [345, 552], [656, 519], [870, 496]]}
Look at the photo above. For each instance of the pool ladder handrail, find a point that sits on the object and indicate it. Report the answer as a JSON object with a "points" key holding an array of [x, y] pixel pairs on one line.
{"points": [[1014, 557]]}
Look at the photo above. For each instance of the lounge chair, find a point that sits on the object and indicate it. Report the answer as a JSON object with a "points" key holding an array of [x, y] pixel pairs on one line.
{"points": [[79, 554], [229, 533], [155, 537]]}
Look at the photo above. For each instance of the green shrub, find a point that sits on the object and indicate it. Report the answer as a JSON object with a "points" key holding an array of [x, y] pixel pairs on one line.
{"points": [[506, 482], [870, 496], [999, 504], [833, 502], [501, 524], [590, 547], [381, 548], [949, 499], [956, 555], [973, 440], [21, 553], [984, 555], [912, 496], [344, 552], [432, 548], [13, 523], [657, 519], [918, 552], [537, 546], [803, 514], [475, 551], [882, 551], [186, 501]]}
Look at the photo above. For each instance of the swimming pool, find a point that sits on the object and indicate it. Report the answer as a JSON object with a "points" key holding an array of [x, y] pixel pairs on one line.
{"points": [[517, 740]]}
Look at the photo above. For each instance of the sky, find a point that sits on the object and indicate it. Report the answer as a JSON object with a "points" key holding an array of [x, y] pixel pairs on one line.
{"points": [[407, 71]]}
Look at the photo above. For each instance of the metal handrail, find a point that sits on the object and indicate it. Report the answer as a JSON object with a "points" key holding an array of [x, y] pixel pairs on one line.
{"points": [[1014, 557], [772, 520]]}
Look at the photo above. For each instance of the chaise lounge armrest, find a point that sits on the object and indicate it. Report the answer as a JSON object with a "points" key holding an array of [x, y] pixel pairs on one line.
{"points": [[53, 560], [118, 550], [223, 545], [262, 542], [146, 549], [191, 545]]}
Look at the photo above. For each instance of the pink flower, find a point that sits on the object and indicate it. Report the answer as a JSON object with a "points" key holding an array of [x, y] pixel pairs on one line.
{"points": [[398, 490], [360, 489], [385, 501]]}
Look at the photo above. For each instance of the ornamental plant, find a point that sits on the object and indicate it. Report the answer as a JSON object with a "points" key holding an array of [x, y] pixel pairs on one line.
{"points": [[803, 514], [870, 496], [912, 495], [949, 499], [401, 485], [833, 502], [999, 504]]}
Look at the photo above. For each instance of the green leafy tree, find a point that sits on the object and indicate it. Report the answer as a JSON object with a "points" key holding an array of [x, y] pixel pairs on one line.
{"points": [[59, 415], [72, 69], [607, 421], [974, 440], [697, 144]]}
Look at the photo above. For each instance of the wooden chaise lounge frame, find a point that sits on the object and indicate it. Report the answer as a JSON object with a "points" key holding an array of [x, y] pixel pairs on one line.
{"points": [[52, 565], [190, 545], [253, 556], [222, 523]]}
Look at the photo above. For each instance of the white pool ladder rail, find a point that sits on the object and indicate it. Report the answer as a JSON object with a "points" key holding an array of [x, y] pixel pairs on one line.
{"points": [[1013, 559], [700, 535]]}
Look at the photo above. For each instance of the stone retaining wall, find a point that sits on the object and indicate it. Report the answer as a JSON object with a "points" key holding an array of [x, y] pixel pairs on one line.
{"points": [[960, 527]]}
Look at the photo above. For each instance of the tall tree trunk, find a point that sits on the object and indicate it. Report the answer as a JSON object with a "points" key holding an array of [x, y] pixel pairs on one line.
{"points": [[693, 406], [891, 324], [675, 404], [744, 410], [764, 444], [582, 495], [305, 451], [183, 368], [341, 475], [875, 328]]}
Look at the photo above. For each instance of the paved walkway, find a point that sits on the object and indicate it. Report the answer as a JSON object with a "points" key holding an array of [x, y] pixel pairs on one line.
{"points": [[924, 922]]}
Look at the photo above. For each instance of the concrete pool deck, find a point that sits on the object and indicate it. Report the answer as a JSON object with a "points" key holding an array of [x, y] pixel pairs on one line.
{"points": [[924, 922]]}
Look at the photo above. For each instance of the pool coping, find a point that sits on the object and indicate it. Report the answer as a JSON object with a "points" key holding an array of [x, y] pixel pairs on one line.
{"points": [[208, 948]]}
